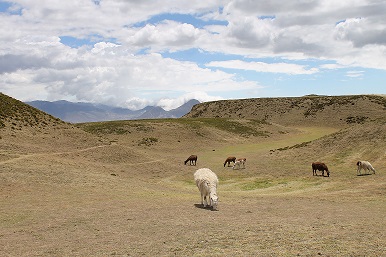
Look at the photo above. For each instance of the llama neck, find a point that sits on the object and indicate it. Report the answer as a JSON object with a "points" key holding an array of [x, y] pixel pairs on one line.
{"points": [[212, 191]]}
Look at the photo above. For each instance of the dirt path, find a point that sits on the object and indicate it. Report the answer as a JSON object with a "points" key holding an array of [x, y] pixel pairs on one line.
{"points": [[27, 156]]}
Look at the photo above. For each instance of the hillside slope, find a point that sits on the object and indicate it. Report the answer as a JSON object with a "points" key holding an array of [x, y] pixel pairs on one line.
{"points": [[311, 110], [27, 129], [343, 148], [17, 114]]}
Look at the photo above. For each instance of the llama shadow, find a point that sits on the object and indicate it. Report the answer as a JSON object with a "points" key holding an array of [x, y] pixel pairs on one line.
{"points": [[323, 176], [200, 206], [365, 174]]}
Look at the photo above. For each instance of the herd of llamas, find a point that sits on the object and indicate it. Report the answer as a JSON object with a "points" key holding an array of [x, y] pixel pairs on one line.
{"points": [[207, 181]]}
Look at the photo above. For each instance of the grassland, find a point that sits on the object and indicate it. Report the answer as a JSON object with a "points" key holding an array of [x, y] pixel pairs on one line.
{"points": [[99, 189]]}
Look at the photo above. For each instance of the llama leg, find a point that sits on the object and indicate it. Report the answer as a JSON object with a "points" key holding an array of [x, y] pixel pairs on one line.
{"points": [[205, 201]]}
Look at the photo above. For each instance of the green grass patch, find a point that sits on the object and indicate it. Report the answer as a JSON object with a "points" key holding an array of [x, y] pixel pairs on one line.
{"points": [[242, 127], [114, 127], [257, 184], [249, 128], [283, 184]]}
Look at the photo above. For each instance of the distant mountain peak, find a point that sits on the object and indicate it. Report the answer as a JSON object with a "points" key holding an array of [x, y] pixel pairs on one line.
{"points": [[89, 112]]}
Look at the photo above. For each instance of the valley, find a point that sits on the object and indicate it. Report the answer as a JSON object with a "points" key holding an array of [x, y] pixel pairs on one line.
{"points": [[121, 188]]}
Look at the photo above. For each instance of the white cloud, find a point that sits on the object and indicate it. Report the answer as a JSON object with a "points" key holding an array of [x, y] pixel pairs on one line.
{"points": [[102, 47], [172, 103], [347, 33], [355, 74], [251, 32], [110, 73], [168, 35], [287, 68], [361, 32]]}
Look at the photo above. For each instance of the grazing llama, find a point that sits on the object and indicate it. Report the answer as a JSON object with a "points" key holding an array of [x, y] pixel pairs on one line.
{"points": [[192, 160], [240, 162], [364, 165], [229, 160], [319, 166], [207, 182]]}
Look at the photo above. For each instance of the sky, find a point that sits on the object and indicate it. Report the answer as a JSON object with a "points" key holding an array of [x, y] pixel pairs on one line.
{"points": [[133, 53]]}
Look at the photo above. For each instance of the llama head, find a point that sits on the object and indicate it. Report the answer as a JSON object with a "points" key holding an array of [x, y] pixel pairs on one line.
{"points": [[214, 201]]}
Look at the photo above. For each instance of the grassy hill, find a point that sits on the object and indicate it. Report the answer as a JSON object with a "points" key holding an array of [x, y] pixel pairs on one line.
{"points": [[26, 128], [16, 114], [311, 110], [112, 188]]}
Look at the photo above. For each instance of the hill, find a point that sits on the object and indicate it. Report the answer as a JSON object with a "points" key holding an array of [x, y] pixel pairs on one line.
{"points": [[311, 110], [112, 188], [88, 112], [341, 149], [28, 129], [18, 114]]}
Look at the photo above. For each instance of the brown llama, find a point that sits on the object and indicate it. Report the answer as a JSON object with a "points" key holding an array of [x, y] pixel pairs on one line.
{"points": [[229, 160], [319, 166], [192, 160]]}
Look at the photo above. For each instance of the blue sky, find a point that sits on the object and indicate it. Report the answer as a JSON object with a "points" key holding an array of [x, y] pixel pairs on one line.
{"points": [[133, 53]]}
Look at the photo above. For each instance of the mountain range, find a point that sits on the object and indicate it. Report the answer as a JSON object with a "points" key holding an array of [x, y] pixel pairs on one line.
{"points": [[88, 112]]}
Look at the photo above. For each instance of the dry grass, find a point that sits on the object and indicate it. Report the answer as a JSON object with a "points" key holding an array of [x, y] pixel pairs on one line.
{"points": [[327, 110], [70, 193]]}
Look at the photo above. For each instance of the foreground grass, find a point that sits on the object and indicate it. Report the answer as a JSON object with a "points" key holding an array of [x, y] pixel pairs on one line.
{"points": [[145, 203]]}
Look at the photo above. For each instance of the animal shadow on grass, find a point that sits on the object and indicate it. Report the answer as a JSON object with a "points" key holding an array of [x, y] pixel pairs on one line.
{"points": [[364, 174], [200, 206]]}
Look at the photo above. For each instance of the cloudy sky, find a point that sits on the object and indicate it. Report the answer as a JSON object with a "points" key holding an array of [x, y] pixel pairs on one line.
{"points": [[133, 53]]}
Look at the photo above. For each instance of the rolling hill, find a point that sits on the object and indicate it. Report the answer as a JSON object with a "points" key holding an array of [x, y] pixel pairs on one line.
{"points": [[311, 110], [26, 128], [19, 114], [112, 188]]}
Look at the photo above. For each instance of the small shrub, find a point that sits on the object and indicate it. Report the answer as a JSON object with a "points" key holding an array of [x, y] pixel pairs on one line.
{"points": [[356, 119], [148, 141], [294, 146]]}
